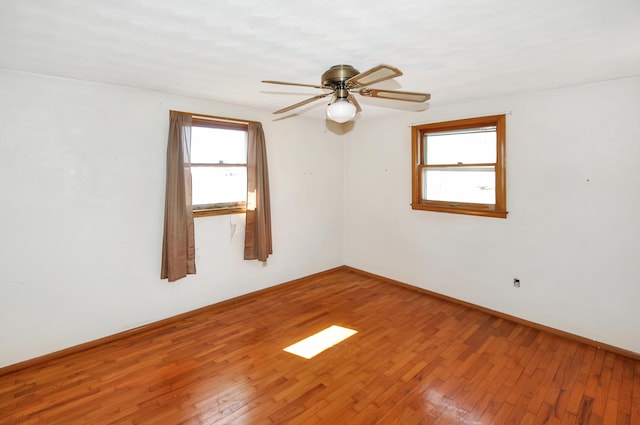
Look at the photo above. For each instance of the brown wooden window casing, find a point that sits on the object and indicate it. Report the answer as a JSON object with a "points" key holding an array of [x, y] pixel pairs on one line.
{"points": [[459, 166], [217, 178]]}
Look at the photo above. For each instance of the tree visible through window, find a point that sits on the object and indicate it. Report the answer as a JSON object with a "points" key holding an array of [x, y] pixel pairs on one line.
{"points": [[218, 167], [459, 166]]}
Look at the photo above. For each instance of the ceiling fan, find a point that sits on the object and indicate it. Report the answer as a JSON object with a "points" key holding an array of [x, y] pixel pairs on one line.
{"points": [[343, 81]]}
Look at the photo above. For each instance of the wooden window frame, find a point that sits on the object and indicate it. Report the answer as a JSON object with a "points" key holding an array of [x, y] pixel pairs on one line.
{"points": [[499, 209], [222, 208]]}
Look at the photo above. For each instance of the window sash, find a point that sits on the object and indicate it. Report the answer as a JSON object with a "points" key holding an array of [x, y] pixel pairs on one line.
{"points": [[216, 164], [461, 146], [459, 184], [217, 208]]}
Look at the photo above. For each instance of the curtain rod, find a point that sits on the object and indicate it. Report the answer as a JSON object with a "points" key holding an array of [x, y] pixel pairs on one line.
{"points": [[216, 117]]}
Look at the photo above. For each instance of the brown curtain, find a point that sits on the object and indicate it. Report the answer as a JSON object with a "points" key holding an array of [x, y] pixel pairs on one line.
{"points": [[257, 240], [178, 247]]}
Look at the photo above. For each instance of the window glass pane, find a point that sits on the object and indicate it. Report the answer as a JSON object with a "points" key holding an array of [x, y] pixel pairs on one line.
{"points": [[471, 147], [213, 185], [460, 184], [218, 146]]}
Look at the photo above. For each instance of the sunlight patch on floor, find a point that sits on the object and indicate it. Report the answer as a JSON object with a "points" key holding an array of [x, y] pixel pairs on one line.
{"points": [[320, 341]]}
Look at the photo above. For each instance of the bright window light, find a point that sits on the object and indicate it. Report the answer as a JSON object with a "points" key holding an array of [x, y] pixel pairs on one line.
{"points": [[319, 342]]}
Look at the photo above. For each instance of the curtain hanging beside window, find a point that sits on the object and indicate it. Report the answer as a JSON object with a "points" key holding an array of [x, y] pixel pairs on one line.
{"points": [[257, 242], [178, 246]]}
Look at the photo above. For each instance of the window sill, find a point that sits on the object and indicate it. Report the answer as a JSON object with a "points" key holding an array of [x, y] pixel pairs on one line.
{"points": [[219, 211], [467, 209]]}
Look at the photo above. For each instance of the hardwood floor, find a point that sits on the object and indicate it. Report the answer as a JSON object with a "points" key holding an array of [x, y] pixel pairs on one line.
{"points": [[415, 360]]}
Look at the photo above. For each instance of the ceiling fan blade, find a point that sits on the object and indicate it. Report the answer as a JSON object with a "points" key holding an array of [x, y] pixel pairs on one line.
{"points": [[395, 95], [304, 102], [374, 75], [284, 83], [352, 99]]}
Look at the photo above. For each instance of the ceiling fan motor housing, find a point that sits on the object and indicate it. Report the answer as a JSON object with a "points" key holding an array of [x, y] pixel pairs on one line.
{"points": [[336, 76]]}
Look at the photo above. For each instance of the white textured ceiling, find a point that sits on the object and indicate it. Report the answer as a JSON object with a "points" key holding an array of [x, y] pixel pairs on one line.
{"points": [[220, 49]]}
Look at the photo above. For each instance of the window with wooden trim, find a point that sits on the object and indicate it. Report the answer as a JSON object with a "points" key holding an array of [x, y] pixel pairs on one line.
{"points": [[218, 167], [459, 166]]}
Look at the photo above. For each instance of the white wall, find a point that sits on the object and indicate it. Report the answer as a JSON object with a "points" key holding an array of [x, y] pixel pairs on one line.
{"points": [[82, 182], [573, 231]]}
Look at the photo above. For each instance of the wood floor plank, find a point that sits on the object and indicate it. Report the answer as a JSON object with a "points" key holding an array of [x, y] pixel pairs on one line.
{"points": [[415, 359]]}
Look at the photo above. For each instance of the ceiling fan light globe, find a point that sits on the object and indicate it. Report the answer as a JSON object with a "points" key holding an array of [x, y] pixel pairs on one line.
{"points": [[341, 111]]}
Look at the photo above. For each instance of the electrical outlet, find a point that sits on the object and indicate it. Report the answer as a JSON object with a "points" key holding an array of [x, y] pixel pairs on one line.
{"points": [[516, 282]]}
